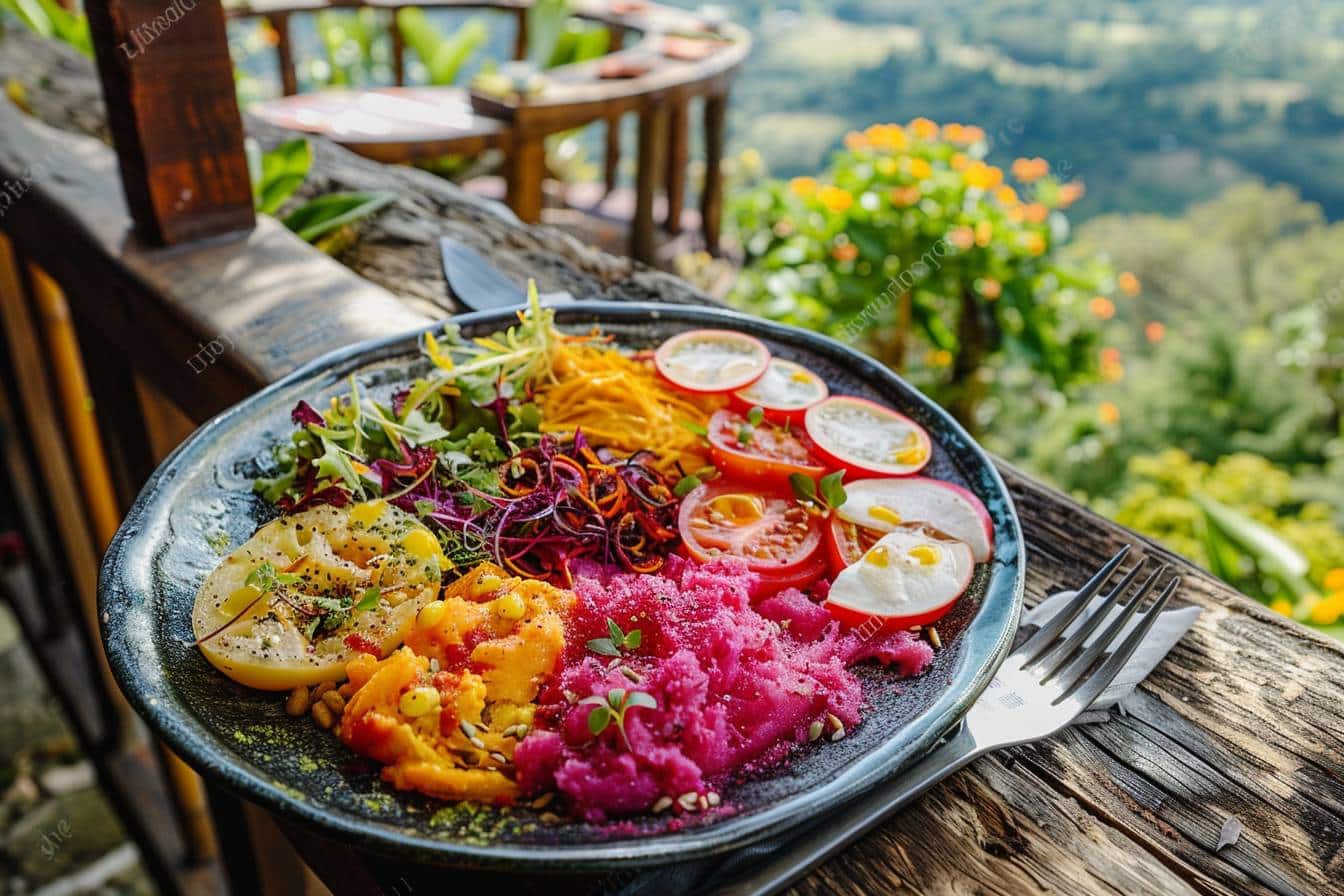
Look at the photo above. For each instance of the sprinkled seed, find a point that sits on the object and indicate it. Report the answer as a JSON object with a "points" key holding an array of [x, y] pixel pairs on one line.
{"points": [[468, 729], [838, 734], [477, 743], [814, 730], [833, 722], [335, 702], [322, 689], [543, 801], [322, 715], [631, 674], [689, 801], [703, 802], [549, 818], [662, 804], [500, 758], [936, 641], [570, 696], [713, 798], [297, 704], [434, 664]]}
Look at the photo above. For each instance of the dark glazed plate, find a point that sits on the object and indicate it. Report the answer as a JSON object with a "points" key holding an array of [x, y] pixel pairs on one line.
{"points": [[201, 495]]}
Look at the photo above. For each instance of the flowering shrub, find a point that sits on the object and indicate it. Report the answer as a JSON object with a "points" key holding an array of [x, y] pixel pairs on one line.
{"points": [[915, 248]]}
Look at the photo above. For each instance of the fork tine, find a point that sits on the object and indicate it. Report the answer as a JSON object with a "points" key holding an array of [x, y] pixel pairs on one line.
{"points": [[1073, 672], [1055, 656], [1045, 636], [1089, 690]]}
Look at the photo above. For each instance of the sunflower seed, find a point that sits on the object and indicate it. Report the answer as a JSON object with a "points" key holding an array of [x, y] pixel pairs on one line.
{"points": [[662, 804], [543, 801], [500, 758], [631, 674], [689, 801], [814, 730], [468, 729], [712, 798], [549, 818]]}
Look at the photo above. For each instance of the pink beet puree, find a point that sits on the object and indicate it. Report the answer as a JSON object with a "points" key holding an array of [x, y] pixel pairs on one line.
{"points": [[736, 685]]}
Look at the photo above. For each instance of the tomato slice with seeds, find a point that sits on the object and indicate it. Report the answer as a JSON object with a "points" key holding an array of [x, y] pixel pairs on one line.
{"points": [[846, 542], [766, 454], [863, 436], [712, 360], [771, 531], [784, 392]]}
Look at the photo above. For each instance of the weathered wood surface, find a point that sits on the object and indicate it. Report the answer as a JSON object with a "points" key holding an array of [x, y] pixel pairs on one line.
{"points": [[1244, 719]]}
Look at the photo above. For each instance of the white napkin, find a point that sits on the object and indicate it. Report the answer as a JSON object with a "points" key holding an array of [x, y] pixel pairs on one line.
{"points": [[1169, 628]]}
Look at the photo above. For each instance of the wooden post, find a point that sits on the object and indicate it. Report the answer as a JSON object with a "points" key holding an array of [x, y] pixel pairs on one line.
{"points": [[711, 197], [611, 161], [398, 48], [168, 85], [652, 131], [678, 157], [284, 53]]}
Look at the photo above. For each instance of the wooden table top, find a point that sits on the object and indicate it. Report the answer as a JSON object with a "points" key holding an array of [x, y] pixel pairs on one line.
{"points": [[1242, 720]]}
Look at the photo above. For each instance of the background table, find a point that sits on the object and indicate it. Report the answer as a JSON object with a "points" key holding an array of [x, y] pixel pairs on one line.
{"points": [[1243, 719]]}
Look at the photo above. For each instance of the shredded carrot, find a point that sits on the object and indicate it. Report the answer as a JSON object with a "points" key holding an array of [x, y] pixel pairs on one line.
{"points": [[620, 402]]}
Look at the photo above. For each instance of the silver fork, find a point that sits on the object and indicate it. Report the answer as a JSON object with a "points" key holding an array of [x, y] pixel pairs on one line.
{"points": [[1041, 687]]}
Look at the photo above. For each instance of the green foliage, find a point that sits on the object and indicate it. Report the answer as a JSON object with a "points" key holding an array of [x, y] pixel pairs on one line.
{"points": [[49, 19], [914, 247], [1243, 518], [279, 173], [356, 49], [443, 55]]}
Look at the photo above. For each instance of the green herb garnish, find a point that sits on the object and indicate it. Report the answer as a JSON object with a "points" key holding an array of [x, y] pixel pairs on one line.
{"points": [[830, 496], [619, 640], [613, 708]]}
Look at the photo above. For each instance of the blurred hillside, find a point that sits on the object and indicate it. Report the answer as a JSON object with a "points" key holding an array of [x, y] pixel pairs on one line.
{"points": [[1154, 104]]}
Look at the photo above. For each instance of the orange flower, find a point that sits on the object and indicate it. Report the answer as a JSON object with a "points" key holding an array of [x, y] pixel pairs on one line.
{"points": [[889, 137], [1006, 195], [940, 357], [962, 237], [959, 161], [1101, 307], [1334, 580], [1034, 243], [1029, 170], [1282, 606], [835, 199], [1108, 413], [855, 140], [924, 129], [845, 252], [1155, 330], [805, 187], [1035, 213], [1110, 355], [972, 134], [980, 176], [1070, 193], [984, 232], [1129, 284], [990, 289], [1112, 373], [953, 132], [920, 168], [904, 197]]}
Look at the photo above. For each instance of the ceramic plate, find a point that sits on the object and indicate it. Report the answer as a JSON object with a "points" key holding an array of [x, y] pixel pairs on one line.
{"points": [[201, 496]]}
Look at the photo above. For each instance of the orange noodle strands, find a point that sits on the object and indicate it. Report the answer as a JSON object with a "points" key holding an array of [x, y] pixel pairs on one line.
{"points": [[621, 402]]}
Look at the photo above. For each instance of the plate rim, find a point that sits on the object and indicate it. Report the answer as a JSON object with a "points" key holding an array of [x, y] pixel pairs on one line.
{"points": [[191, 740]]}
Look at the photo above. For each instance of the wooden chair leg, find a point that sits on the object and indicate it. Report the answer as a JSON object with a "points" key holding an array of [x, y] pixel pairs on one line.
{"points": [[678, 157], [398, 49], [611, 161], [652, 143], [711, 197], [525, 169], [284, 53]]}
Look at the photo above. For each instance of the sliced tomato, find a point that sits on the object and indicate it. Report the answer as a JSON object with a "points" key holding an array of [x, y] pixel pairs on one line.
{"points": [[802, 578], [846, 542], [784, 392], [766, 454], [769, 530], [712, 360], [862, 436]]}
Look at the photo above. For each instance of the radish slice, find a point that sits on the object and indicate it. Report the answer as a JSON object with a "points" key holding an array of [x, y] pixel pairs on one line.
{"points": [[784, 392], [910, 577], [865, 437], [712, 360], [886, 504]]}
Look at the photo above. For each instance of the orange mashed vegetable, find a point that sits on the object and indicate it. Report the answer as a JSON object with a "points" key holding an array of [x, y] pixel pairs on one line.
{"points": [[444, 712]]}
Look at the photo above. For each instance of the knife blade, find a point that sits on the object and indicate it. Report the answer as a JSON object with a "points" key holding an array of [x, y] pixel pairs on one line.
{"points": [[479, 285]]}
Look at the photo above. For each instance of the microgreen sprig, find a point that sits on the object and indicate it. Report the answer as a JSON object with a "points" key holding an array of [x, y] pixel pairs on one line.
{"points": [[612, 709], [825, 496], [618, 642]]}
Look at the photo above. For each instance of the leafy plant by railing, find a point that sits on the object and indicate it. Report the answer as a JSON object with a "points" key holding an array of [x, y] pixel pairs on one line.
{"points": [[915, 248], [49, 19], [442, 55], [324, 220]]}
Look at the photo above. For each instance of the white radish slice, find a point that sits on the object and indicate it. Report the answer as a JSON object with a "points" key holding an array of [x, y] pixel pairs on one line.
{"points": [[886, 504], [909, 577], [712, 360]]}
